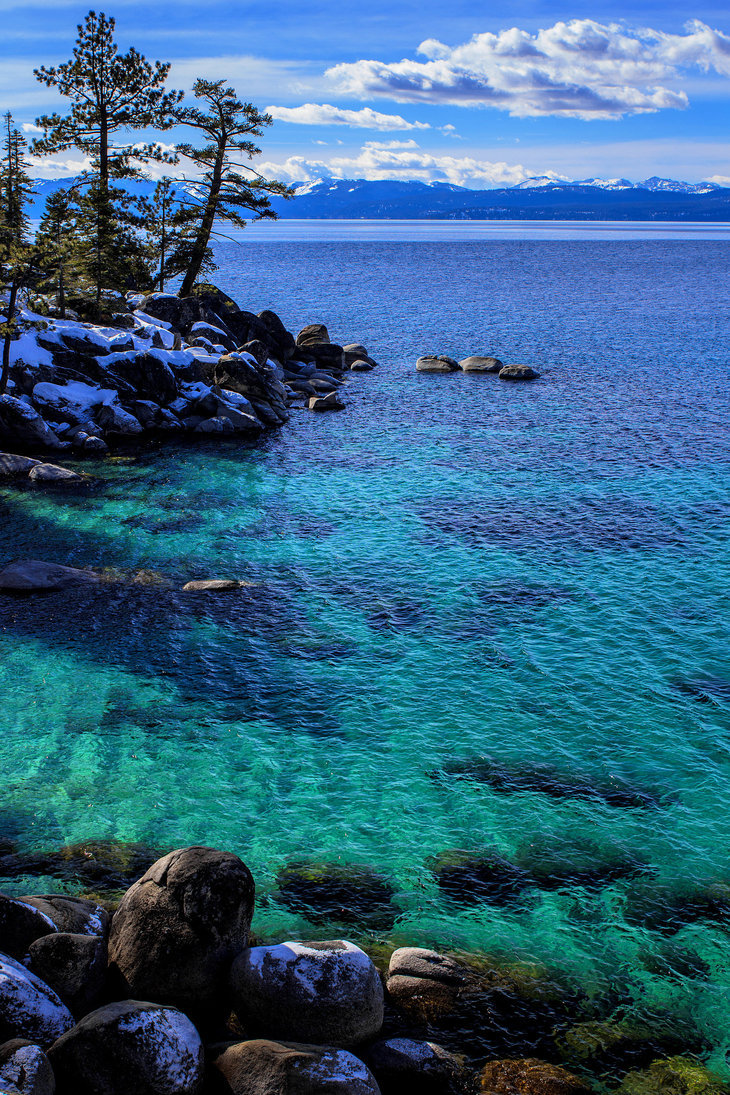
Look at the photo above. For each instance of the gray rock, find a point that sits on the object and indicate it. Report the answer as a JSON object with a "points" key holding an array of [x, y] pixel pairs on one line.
{"points": [[129, 1048], [359, 365], [430, 363], [314, 334], [258, 350], [419, 962], [212, 585], [262, 1067], [324, 993], [179, 927], [11, 465], [518, 372], [21, 423], [54, 473], [25, 1069], [20, 924], [114, 419], [403, 1066], [96, 445], [327, 355], [216, 425], [28, 1007], [72, 914], [36, 576], [74, 966], [148, 374], [328, 402], [478, 364]]}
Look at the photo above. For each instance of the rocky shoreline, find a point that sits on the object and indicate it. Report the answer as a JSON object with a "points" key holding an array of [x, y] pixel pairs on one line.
{"points": [[165, 366], [165, 992]]}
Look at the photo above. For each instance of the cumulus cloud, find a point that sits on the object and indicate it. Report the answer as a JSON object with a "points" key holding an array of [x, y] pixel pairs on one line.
{"points": [[581, 69], [403, 160], [325, 114]]}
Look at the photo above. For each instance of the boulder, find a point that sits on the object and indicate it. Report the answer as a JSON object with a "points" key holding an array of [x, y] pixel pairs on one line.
{"points": [[216, 425], [25, 1069], [95, 445], [212, 585], [11, 465], [478, 364], [74, 966], [28, 1007], [473, 877], [518, 372], [403, 1066], [673, 1076], [21, 423], [348, 892], [180, 312], [281, 341], [257, 349], [430, 363], [262, 1067], [129, 1048], [329, 402], [72, 914], [20, 924], [36, 576], [215, 335], [361, 366], [114, 419], [327, 355], [324, 992], [179, 927], [314, 334], [529, 1077], [420, 962], [146, 372], [54, 473]]}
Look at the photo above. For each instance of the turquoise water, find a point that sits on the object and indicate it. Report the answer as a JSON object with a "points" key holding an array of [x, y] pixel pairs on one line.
{"points": [[451, 569]]}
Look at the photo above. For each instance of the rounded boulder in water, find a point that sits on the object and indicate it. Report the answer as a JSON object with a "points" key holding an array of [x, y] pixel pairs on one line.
{"points": [[282, 1068], [324, 993], [179, 927]]}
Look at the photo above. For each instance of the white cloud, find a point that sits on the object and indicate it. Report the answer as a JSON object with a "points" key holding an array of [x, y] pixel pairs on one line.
{"points": [[580, 69], [403, 160], [326, 114]]}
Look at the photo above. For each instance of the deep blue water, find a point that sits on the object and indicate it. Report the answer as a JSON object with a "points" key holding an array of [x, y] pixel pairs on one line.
{"points": [[454, 568]]}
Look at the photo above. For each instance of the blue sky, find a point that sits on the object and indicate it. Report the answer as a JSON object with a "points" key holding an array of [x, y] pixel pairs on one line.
{"points": [[463, 92]]}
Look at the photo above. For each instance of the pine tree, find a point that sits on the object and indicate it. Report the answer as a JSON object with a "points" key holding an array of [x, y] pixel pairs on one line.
{"points": [[224, 192], [57, 244], [112, 95], [16, 187], [172, 226]]}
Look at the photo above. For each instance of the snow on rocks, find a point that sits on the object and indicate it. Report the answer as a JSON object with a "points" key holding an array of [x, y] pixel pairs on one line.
{"points": [[28, 1007], [25, 1069], [129, 1048], [262, 1067], [312, 992]]}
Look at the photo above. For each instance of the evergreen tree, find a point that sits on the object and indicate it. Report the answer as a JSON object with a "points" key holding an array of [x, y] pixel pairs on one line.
{"points": [[16, 186], [112, 95], [172, 227], [57, 245], [224, 193]]}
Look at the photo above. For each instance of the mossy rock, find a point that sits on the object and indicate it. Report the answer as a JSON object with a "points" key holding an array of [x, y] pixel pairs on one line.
{"points": [[529, 1076], [615, 1047], [95, 866], [471, 878], [674, 1076], [349, 893]]}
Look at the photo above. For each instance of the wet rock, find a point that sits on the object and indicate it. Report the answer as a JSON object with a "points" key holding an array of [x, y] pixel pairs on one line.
{"points": [[530, 1077], [20, 924], [28, 1007], [178, 929], [478, 364], [327, 355], [469, 878], [213, 585], [25, 1069], [674, 1076], [72, 914], [36, 576], [11, 465], [555, 864], [667, 908], [704, 689], [348, 892], [545, 779], [431, 363], [420, 962], [403, 1066], [356, 353], [518, 372], [314, 334], [324, 993], [262, 1067], [329, 402], [53, 473], [360, 366], [129, 1048], [616, 1047], [104, 864], [21, 424], [74, 966]]}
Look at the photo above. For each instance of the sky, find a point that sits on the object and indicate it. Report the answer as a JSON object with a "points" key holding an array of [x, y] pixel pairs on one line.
{"points": [[475, 94]]}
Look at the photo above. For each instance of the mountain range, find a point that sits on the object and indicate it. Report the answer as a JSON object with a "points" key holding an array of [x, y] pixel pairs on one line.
{"points": [[541, 198]]}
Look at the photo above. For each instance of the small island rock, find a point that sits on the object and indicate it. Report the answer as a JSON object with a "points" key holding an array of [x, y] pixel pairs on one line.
{"points": [[518, 372], [53, 473], [478, 364], [430, 363], [212, 585]]}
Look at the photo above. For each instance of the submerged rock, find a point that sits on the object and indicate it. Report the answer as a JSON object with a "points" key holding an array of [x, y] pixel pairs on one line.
{"points": [[25, 1069], [28, 1007], [263, 1067], [179, 927], [518, 372], [324, 992], [213, 585], [431, 363], [37, 576], [478, 364], [129, 1048], [674, 1076], [472, 877], [348, 892], [616, 1047], [530, 1077], [11, 465]]}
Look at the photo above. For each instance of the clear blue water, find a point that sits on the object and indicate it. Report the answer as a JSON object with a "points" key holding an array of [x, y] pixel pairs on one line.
{"points": [[454, 567]]}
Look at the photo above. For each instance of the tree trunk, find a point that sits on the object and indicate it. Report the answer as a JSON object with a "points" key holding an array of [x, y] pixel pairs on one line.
{"points": [[206, 225], [8, 337]]}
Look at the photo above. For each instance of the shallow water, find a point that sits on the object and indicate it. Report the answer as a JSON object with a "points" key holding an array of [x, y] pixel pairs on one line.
{"points": [[453, 569]]}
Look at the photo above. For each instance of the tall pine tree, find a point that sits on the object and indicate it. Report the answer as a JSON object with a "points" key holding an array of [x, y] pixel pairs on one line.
{"points": [[229, 186], [16, 186], [58, 248]]}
